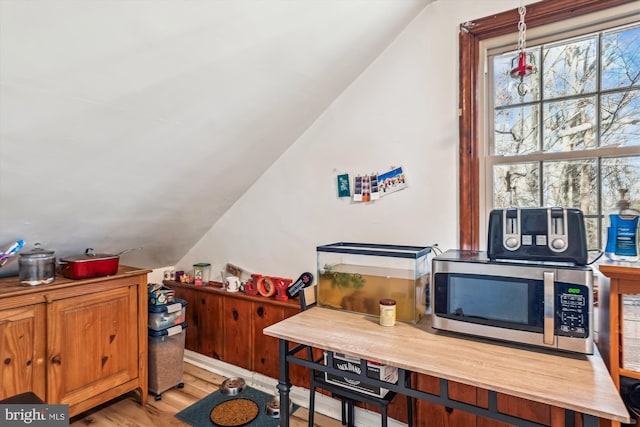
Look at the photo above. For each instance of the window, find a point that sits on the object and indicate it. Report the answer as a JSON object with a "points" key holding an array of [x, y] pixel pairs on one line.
{"points": [[568, 134], [538, 165]]}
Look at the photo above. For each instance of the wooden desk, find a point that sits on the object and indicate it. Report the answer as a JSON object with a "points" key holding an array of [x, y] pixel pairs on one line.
{"points": [[580, 384]]}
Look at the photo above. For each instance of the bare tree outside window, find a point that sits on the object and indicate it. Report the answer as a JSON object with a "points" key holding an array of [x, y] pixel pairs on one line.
{"points": [[573, 138]]}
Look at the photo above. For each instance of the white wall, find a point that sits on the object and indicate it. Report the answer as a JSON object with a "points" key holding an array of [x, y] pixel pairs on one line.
{"points": [[401, 111]]}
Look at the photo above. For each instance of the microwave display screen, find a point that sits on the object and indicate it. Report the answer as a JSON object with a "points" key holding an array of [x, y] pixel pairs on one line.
{"points": [[497, 300]]}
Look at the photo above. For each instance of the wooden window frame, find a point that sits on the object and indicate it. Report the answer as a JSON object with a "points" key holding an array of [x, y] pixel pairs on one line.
{"points": [[471, 34]]}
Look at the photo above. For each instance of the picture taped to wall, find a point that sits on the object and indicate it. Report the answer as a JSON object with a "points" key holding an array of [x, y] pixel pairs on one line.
{"points": [[343, 185], [391, 181], [357, 189], [366, 188], [375, 188]]}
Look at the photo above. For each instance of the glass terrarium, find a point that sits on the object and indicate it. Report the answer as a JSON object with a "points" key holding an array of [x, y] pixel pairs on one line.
{"points": [[356, 276]]}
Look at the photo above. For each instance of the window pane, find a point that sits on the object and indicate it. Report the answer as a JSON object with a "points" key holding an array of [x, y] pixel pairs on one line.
{"points": [[617, 173], [571, 184], [506, 87], [516, 185], [570, 68], [569, 125], [516, 131], [620, 118], [591, 225], [620, 59]]}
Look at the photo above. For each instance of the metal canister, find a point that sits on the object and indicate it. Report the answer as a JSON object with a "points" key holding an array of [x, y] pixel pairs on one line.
{"points": [[37, 267], [387, 312]]}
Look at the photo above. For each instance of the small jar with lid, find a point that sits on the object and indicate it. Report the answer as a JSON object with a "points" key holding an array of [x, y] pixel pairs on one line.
{"points": [[387, 312], [201, 272]]}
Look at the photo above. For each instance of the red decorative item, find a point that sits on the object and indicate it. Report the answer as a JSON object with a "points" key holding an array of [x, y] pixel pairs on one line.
{"points": [[266, 286], [250, 287], [525, 61], [281, 288], [523, 68]]}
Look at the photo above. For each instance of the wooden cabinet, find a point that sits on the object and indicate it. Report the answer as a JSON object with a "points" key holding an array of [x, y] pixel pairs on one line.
{"points": [[435, 415], [75, 342], [619, 279], [228, 326]]}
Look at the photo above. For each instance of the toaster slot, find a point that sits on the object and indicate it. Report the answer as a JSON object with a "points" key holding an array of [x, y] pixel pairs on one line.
{"points": [[511, 227], [557, 229]]}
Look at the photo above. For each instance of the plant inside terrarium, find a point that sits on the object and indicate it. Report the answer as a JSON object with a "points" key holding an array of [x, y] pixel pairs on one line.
{"points": [[342, 280]]}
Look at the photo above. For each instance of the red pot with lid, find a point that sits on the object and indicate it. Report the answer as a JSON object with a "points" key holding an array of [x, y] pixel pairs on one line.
{"points": [[91, 264]]}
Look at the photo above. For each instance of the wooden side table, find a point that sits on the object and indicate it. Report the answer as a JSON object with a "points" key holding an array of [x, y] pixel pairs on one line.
{"points": [[623, 279]]}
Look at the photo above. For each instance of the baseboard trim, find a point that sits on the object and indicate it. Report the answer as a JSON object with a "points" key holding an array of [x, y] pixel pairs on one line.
{"points": [[299, 395]]}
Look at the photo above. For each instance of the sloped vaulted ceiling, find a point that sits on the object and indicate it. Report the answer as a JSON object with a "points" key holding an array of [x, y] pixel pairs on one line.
{"points": [[138, 123]]}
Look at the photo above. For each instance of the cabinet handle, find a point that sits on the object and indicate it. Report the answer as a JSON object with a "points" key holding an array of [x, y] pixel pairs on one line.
{"points": [[28, 362], [235, 314], [203, 301], [56, 359], [260, 311], [7, 361]]}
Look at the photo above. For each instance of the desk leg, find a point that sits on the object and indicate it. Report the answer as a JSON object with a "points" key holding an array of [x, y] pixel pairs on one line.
{"points": [[284, 384]]}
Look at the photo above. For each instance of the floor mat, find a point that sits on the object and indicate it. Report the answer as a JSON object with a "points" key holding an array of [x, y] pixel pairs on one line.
{"points": [[198, 414]]}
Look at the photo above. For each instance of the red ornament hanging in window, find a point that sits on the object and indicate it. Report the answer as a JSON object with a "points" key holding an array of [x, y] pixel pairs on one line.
{"points": [[525, 63]]}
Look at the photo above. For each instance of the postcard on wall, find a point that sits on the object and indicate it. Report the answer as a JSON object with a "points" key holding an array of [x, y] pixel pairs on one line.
{"points": [[391, 181], [343, 185]]}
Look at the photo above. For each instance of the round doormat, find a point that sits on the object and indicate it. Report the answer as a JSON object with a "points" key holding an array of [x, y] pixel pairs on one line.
{"points": [[234, 413]]}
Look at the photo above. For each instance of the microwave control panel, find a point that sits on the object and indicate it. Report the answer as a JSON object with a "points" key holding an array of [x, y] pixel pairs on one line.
{"points": [[572, 310]]}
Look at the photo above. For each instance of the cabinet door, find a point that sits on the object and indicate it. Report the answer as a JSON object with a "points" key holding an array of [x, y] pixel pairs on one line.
{"points": [[265, 348], [433, 415], [207, 308], [191, 338], [22, 339], [204, 321], [299, 374], [93, 344], [398, 406], [238, 345], [518, 407]]}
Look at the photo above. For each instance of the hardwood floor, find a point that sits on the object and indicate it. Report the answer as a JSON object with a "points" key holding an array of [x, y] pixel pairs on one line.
{"points": [[198, 383]]}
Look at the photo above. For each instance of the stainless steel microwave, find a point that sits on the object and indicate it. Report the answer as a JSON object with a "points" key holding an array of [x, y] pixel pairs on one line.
{"points": [[544, 305]]}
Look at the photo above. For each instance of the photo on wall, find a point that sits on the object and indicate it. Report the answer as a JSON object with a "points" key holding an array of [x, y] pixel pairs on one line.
{"points": [[357, 189], [391, 181]]}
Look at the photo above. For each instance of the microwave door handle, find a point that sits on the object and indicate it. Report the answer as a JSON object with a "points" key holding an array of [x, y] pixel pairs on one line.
{"points": [[549, 309]]}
